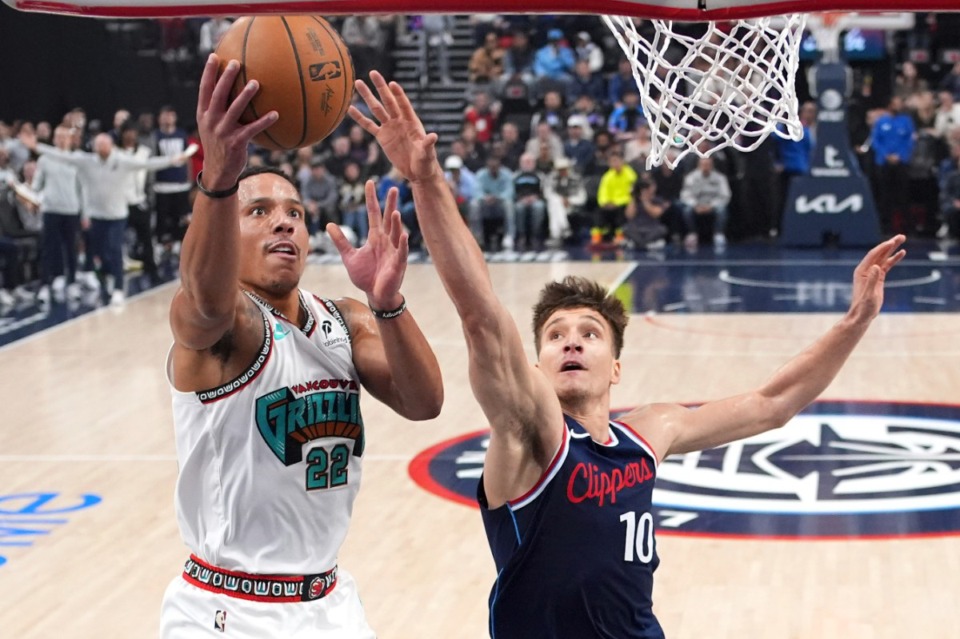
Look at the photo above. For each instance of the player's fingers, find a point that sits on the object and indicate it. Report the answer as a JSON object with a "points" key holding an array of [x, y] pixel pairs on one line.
{"points": [[404, 107], [393, 194], [894, 259], [343, 245], [396, 228], [404, 247], [221, 92], [239, 104], [374, 217], [207, 81], [386, 95], [376, 107], [365, 123], [264, 122]]}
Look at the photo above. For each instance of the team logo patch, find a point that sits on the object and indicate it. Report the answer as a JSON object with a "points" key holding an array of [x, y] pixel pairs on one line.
{"points": [[220, 621], [838, 470]]}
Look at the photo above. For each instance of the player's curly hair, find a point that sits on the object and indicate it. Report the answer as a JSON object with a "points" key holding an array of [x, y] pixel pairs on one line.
{"points": [[574, 291]]}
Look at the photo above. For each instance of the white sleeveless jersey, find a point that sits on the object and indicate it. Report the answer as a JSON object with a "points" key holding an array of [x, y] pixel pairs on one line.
{"points": [[270, 463]]}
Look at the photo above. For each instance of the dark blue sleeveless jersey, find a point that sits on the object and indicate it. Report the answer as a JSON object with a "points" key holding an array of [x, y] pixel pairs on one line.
{"points": [[575, 556]]}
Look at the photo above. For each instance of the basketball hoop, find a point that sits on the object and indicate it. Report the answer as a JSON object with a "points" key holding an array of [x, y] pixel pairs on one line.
{"points": [[731, 87]]}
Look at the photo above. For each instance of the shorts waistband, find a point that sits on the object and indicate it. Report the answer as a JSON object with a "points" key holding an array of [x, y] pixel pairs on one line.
{"points": [[265, 588]]}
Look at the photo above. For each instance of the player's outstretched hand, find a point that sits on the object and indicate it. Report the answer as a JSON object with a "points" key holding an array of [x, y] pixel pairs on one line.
{"points": [[869, 276], [400, 132], [224, 138], [378, 267]]}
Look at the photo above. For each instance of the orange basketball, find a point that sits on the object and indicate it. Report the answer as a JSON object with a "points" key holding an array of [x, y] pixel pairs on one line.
{"points": [[305, 74]]}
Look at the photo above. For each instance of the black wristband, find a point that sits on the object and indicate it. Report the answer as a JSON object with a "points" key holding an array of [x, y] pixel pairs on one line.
{"points": [[216, 195], [385, 315]]}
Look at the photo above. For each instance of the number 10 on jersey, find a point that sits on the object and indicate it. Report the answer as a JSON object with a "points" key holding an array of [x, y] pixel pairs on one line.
{"points": [[638, 545]]}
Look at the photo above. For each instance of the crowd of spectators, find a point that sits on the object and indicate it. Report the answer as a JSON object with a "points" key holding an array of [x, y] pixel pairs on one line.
{"points": [[552, 153]]}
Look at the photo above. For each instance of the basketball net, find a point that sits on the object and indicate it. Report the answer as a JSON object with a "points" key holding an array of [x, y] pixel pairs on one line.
{"points": [[731, 87]]}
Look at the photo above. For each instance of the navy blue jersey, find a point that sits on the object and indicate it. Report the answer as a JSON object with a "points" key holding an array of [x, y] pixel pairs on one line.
{"points": [[170, 145], [575, 556]]}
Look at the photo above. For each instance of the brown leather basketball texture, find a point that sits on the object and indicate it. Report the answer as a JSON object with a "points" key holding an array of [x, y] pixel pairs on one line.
{"points": [[305, 74]]}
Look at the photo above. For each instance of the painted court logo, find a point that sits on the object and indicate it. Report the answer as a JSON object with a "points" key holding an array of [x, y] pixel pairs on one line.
{"points": [[838, 470]]}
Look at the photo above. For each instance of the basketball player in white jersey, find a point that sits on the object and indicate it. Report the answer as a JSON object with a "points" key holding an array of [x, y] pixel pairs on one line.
{"points": [[266, 381], [566, 493]]}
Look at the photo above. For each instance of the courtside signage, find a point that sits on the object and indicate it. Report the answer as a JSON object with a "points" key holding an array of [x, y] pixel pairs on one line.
{"points": [[838, 470]]}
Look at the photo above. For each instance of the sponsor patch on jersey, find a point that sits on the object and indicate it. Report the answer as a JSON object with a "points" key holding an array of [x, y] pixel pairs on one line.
{"points": [[838, 470]]}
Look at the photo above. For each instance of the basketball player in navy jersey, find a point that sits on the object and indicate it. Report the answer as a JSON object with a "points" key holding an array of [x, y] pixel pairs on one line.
{"points": [[266, 380], [566, 493]]}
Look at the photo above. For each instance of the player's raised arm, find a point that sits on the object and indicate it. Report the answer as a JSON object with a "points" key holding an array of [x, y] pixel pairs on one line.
{"points": [[204, 308], [795, 385], [515, 397]]}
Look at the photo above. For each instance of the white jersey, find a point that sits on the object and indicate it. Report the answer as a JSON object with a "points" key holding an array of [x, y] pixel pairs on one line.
{"points": [[270, 463]]}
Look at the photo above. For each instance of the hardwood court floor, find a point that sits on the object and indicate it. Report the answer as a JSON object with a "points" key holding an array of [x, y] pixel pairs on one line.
{"points": [[87, 411]]}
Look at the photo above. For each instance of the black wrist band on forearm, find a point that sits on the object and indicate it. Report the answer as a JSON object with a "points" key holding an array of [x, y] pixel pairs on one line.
{"points": [[216, 195], [385, 315]]}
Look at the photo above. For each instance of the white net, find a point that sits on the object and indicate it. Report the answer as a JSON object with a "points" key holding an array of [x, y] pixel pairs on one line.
{"points": [[732, 85]]}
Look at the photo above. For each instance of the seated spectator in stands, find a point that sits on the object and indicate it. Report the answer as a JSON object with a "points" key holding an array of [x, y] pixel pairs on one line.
{"points": [[552, 112], [706, 192], [908, 82], [587, 50], [577, 148], [211, 32], [951, 81], [339, 157], [529, 206], [353, 210], [624, 119], [303, 159], [473, 153], [484, 23], [483, 115], [491, 212], [518, 59], [564, 195], [585, 82], [408, 216], [620, 82], [948, 114], [949, 181], [360, 146], [365, 37], [555, 59], [486, 64], [646, 228], [602, 145], [321, 194], [637, 148], [513, 146], [614, 200], [462, 183], [669, 186], [435, 38], [544, 137], [544, 162]]}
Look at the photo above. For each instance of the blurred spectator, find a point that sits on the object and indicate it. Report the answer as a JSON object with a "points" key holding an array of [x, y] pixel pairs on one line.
{"points": [[624, 118], [646, 227], [637, 148], [552, 112], [172, 185], [518, 59], [706, 192], [544, 137], [555, 59], [44, 132], [593, 117], [793, 157], [491, 212], [908, 81], [614, 199], [120, 118], [564, 195], [339, 157], [486, 64], [893, 141], [948, 115], [17, 153], [462, 183], [435, 37], [58, 187], [139, 213], [577, 147], [320, 197], [620, 82], [530, 209], [924, 161], [588, 51], [950, 196], [353, 210], [366, 39], [585, 82], [474, 154], [482, 114], [951, 81], [211, 32]]}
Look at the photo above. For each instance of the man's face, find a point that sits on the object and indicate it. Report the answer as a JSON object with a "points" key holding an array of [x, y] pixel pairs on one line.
{"points": [[576, 354], [167, 119], [274, 239], [103, 145]]}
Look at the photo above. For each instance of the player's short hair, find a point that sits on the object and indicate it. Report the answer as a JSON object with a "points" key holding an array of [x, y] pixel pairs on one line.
{"points": [[250, 171], [574, 291]]}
